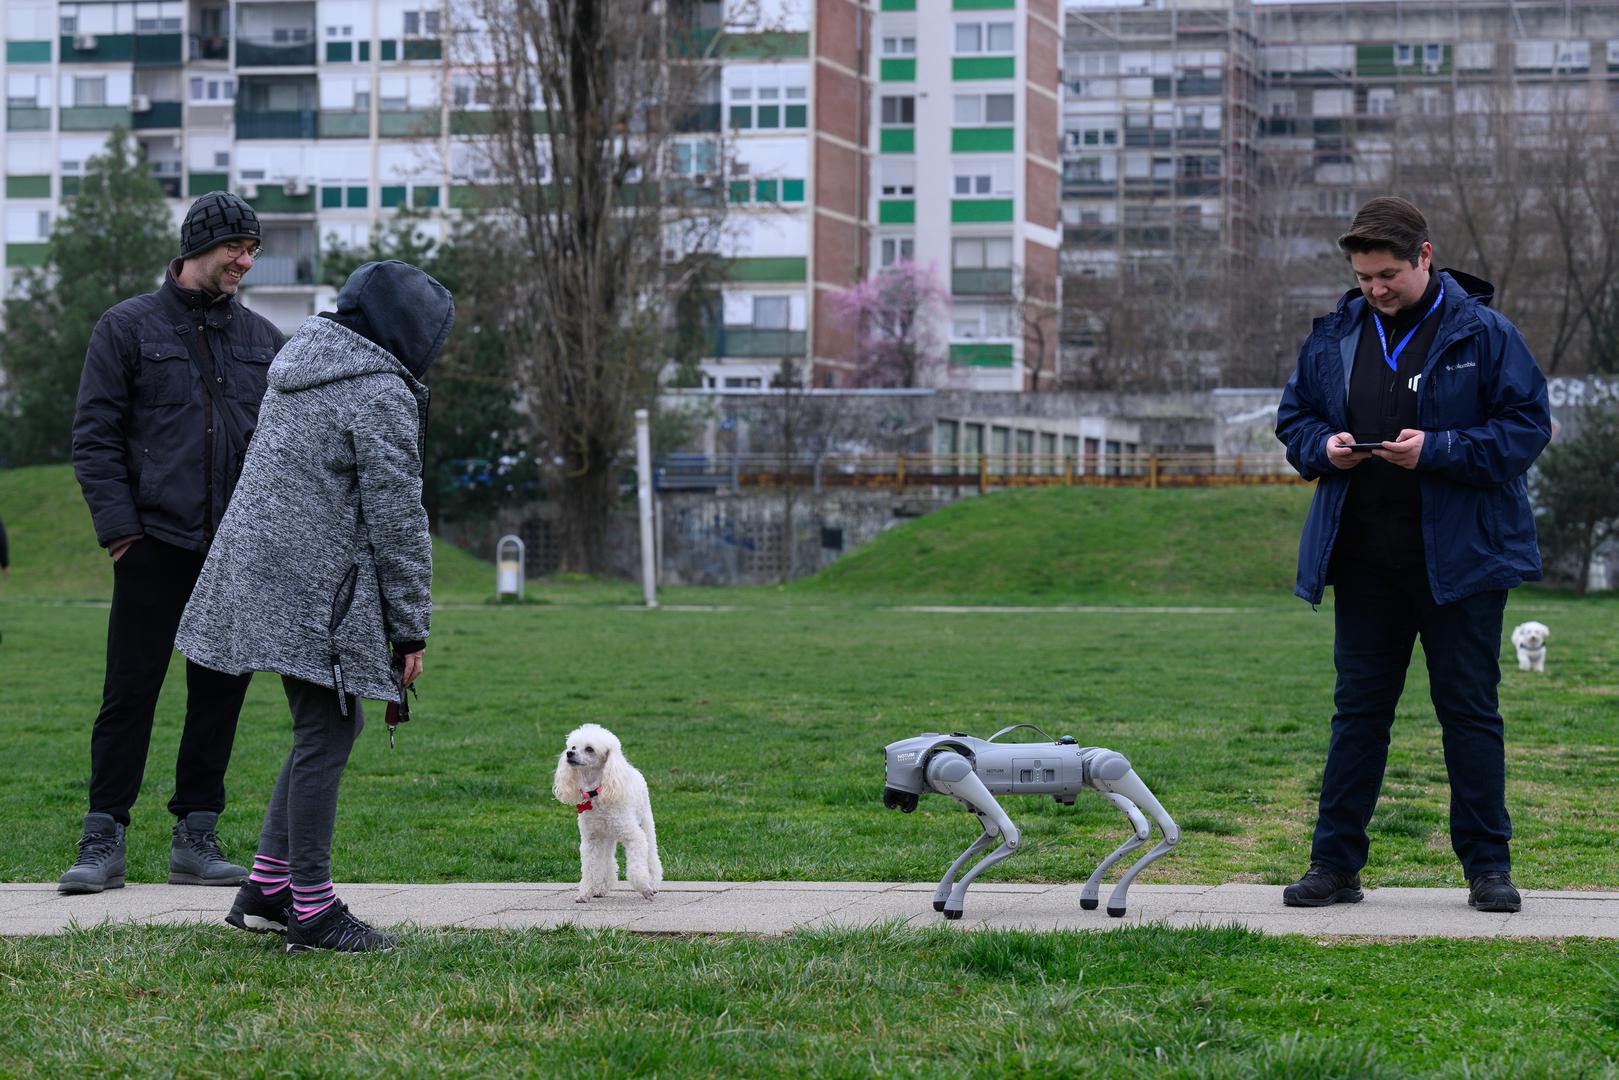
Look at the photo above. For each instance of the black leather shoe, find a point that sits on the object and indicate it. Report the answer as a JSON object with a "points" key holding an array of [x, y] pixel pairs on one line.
{"points": [[1321, 886], [259, 913], [1493, 891]]}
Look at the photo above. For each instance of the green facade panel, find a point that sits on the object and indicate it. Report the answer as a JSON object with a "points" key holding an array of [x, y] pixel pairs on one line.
{"points": [[28, 52], [981, 355], [201, 183], [114, 47], [899, 5], [339, 52], [424, 196], [771, 45], [984, 5], [424, 49], [28, 187], [898, 69], [978, 211], [792, 191], [896, 212], [24, 118], [331, 198], [93, 118], [983, 67], [273, 199], [27, 254], [162, 114], [1374, 60], [392, 197], [772, 268], [344, 125], [982, 140], [408, 123], [897, 141], [154, 50]]}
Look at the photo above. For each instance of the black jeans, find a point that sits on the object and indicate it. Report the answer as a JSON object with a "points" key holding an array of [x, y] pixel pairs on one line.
{"points": [[150, 586], [1379, 614]]}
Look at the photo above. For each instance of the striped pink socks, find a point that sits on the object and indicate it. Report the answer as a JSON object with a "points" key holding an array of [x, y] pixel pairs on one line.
{"points": [[270, 875], [309, 901]]}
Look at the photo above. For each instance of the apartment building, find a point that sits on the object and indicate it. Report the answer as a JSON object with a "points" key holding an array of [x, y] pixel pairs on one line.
{"points": [[331, 115], [1174, 110]]}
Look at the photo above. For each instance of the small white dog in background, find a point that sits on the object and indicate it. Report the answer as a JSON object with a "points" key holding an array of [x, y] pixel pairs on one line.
{"points": [[1530, 641], [614, 808]]}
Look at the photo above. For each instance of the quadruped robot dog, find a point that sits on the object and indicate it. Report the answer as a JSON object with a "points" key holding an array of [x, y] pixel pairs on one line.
{"points": [[973, 771]]}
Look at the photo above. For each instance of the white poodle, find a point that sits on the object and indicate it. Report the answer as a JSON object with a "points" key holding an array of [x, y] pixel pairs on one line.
{"points": [[1530, 640], [611, 797]]}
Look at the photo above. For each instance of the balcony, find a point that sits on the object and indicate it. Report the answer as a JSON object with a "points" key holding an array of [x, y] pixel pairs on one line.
{"points": [[408, 123], [751, 341], [336, 124], [995, 282], [258, 52], [209, 47], [275, 124], [27, 118], [161, 114], [282, 270], [94, 117], [704, 117]]}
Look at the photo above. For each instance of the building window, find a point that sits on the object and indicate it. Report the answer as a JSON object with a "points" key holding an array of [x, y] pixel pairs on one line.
{"points": [[91, 91], [1403, 55], [982, 180], [212, 91], [899, 111], [898, 179], [899, 46], [981, 253], [974, 38], [893, 249], [423, 23], [983, 110], [770, 312]]}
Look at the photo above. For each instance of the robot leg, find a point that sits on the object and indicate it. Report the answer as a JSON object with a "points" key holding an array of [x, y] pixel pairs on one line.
{"points": [[942, 893], [1131, 787], [1088, 896], [951, 774]]}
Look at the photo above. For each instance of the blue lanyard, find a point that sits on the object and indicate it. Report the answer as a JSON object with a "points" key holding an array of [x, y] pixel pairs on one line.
{"points": [[1393, 359]]}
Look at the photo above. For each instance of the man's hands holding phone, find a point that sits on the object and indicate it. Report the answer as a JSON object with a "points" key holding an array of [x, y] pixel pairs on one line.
{"points": [[1404, 450]]}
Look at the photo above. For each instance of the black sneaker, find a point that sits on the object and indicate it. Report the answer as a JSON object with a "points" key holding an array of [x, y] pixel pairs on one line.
{"points": [[1493, 891], [255, 912], [1321, 886], [337, 930], [100, 864], [195, 858]]}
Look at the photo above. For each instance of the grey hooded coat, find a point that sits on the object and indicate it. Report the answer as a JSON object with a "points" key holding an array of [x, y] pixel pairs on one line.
{"points": [[323, 558]]}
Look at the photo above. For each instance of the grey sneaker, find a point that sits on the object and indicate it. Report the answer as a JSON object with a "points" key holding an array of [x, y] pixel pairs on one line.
{"points": [[195, 858], [100, 864]]}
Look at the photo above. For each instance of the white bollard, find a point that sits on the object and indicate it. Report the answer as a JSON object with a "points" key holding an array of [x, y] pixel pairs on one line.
{"points": [[509, 566], [643, 485]]}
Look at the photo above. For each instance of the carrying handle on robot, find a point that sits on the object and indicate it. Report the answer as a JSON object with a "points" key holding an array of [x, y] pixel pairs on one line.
{"points": [[1014, 727]]}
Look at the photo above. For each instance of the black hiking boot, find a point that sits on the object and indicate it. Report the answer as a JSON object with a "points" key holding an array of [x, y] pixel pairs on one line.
{"points": [[195, 858], [1321, 886], [1493, 891], [260, 914], [338, 930], [100, 864]]}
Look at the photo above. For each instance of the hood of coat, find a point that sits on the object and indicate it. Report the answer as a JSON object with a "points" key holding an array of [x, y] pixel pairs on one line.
{"points": [[323, 351], [400, 307]]}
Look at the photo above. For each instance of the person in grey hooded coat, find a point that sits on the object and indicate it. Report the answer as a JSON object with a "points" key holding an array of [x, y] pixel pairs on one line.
{"points": [[321, 571]]}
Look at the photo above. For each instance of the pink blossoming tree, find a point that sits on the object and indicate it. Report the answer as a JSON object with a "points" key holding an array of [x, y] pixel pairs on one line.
{"points": [[896, 314]]}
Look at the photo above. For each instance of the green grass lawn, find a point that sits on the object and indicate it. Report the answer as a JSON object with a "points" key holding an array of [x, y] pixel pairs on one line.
{"points": [[759, 722]]}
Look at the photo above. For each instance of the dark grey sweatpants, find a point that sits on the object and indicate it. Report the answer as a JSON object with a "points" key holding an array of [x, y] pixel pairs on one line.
{"points": [[303, 808]]}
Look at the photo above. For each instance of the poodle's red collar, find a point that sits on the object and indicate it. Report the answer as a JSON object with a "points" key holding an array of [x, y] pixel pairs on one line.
{"points": [[581, 807]]}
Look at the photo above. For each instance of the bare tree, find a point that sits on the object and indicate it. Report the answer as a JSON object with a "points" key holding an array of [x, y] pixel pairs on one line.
{"points": [[1036, 308], [598, 222], [803, 425], [1516, 180]]}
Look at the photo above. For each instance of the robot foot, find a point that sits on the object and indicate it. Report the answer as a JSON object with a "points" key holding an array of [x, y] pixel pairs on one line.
{"points": [[1090, 904], [1116, 912], [949, 914], [938, 905]]}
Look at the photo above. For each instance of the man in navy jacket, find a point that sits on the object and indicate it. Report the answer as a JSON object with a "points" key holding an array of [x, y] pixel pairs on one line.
{"points": [[1418, 410]]}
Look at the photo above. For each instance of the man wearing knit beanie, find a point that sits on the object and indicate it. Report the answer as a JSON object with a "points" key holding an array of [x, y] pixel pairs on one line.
{"points": [[168, 400]]}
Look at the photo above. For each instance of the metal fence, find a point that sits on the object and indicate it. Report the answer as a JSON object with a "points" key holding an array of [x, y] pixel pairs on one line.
{"points": [[696, 472]]}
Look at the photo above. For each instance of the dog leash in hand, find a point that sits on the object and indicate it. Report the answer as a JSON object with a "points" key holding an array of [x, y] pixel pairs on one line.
{"points": [[581, 807]]}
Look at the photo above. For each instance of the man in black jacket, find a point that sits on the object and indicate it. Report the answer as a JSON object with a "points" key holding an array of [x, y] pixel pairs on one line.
{"points": [[167, 402]]}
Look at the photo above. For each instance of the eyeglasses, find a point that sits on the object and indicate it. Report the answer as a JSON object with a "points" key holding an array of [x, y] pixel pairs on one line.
{"points": [[236, 249]]}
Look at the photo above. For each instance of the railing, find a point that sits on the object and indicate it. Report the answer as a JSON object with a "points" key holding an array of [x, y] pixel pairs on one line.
{"points": [[981, 471], [209, 47], [994, 282], [275, 124], [282, 270], [251, 53], [749, 341]]}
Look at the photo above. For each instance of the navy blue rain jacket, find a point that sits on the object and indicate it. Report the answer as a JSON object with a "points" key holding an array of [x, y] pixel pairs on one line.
{"points": [[1482, 405]]}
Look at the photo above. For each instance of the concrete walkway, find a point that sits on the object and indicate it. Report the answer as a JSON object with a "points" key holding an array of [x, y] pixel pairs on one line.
{"points": [[778, 907]]}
